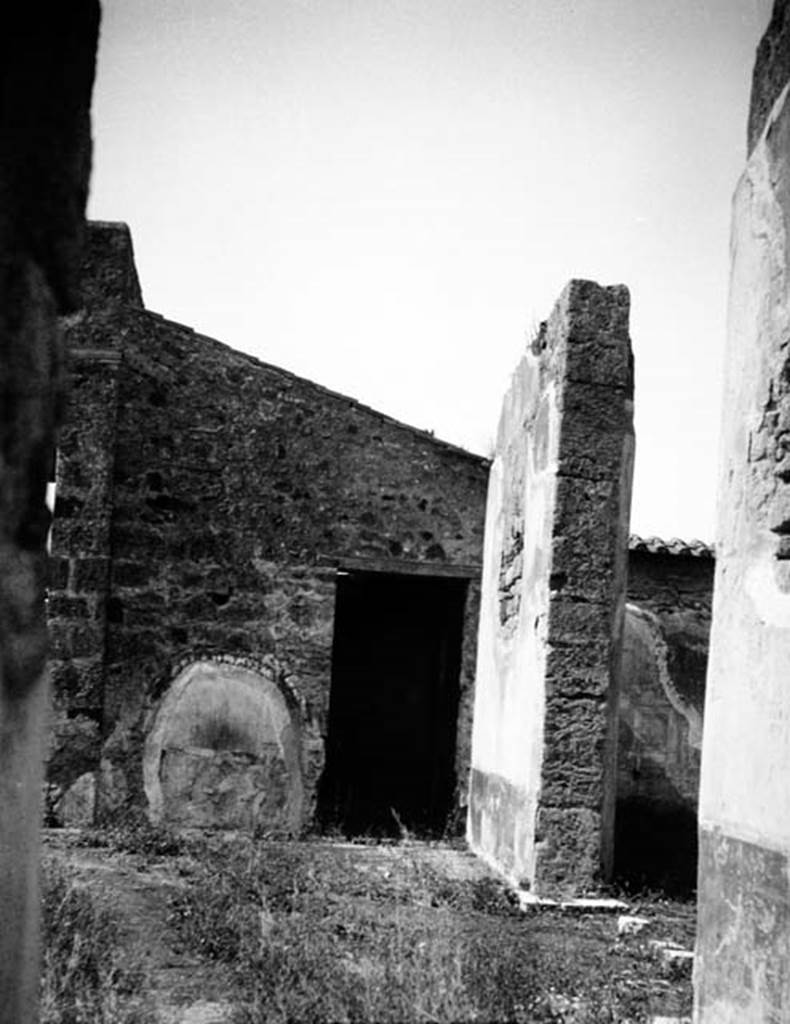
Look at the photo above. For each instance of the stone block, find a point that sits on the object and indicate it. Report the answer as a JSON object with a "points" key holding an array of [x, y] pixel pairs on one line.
{"points": [[569, 675], [77, 683], [90, 575], [77, 806], [581, 569], [565, 786], [569, 849], [631, 924], [575, 767], [127, 573], [57, 573], [74, 747], [85, 640], [60, 641], [64, 607], [580, 623], [112, 794]]}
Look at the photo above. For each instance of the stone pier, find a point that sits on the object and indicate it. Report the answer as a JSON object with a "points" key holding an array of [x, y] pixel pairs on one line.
{"points": [[742, 970], [541, 803]]}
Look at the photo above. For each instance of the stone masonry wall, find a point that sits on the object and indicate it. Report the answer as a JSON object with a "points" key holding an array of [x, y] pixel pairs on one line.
{"points": [[79, 565], [543, 749], [237, 490], [742, 968], [80, 568], [204, 501]]}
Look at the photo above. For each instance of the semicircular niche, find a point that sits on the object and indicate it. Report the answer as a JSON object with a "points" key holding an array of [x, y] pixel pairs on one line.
{"points": [[224, 752]]}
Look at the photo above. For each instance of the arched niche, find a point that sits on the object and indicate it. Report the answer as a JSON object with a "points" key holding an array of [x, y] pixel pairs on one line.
{"points": [[224, 751]]}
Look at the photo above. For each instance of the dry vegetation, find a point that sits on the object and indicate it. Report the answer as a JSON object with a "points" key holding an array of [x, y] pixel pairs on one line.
{"points": [[87, 976], [321, 931]]}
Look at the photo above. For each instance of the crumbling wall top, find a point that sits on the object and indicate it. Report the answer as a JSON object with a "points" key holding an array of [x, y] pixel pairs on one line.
{"points": [[109, 276]]}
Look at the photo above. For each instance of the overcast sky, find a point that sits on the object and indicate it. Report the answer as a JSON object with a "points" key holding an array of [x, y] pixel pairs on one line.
{"points": [[387, 196]]}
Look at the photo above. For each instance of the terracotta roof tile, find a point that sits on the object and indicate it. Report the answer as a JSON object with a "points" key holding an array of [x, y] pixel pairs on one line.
{"points": [[673, 546]]}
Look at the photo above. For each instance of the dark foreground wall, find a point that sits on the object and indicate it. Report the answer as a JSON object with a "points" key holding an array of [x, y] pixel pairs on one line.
{"points": [[47, 57], [207, 506]]}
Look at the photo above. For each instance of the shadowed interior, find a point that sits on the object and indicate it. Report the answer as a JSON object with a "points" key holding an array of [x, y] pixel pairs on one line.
{"points": [[394, 704]]}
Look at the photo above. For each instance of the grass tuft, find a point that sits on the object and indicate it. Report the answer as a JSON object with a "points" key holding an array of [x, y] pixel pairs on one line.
{"points": [[135, 834], [87, 977]]}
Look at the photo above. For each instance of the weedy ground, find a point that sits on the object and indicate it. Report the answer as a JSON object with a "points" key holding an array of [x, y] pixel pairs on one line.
{"points": [[87, 976], [280, 932]]}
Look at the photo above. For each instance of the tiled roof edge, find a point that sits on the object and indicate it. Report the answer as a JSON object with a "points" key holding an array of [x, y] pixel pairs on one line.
{"points": [[673, 546]]}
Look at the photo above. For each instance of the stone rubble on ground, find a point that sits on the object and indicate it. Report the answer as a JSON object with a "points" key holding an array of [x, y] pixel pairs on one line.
{"points": [[593, 905], [672, 955], [77, 804], [202, 1012], [583, 905], [629, 924]]}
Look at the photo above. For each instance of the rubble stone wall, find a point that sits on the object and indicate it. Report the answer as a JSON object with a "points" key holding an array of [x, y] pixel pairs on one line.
{"points": [[235, 491]]}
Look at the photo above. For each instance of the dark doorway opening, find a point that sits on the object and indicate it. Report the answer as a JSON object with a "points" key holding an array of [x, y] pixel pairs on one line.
{"points": [[396, 661]]}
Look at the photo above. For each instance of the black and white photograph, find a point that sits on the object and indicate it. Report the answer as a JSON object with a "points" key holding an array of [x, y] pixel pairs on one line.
{"points": [[395, 512]]}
